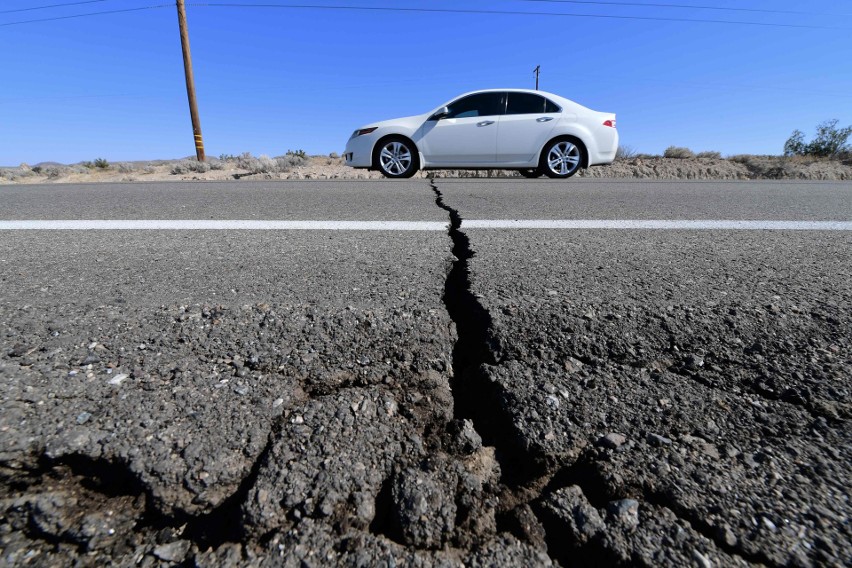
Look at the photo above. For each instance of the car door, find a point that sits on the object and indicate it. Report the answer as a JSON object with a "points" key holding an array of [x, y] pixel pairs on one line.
{"points": [[525, 128], [467, 135]]}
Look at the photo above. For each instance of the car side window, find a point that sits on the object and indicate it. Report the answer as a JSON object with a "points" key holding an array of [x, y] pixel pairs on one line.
{"points": [[525, 103], [480, 104], [551, 107]]}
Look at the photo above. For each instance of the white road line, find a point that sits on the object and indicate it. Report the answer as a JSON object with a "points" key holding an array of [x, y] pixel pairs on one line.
{"points": [[217, 225], [657, 224], [272, 225]]}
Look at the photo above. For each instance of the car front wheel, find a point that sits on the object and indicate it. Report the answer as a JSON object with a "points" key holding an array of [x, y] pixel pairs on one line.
{"points": [[561, 159], [395, 158]]}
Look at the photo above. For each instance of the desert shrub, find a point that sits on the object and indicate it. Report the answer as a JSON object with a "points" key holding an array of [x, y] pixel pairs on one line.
{"points": [[261, 165], [334, 156], [98, 163], [149, 169], [246, 161], [13, 174], [625, 153], [266, 165], [186, 166], [291, 160], [126, 167], [830, 141], [741, 158], [678, 152], [709, 154], [227, 157], [55, 172], [216, 164], [37, 169]]}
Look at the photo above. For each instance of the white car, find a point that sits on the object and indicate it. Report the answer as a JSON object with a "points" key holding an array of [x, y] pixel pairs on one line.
{"points": [[530, 131]]}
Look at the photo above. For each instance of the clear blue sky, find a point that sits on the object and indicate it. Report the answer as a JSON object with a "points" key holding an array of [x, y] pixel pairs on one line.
{"points": [[270, 80]]}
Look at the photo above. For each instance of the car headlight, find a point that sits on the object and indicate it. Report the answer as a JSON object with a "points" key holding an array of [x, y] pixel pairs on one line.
{"points": [[364, 131]]}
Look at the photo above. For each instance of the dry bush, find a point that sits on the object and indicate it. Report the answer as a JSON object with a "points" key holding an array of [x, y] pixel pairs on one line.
{"points": [[246, 161], [126, 167], [266, 165], [291, 160], [55, 172], [13, 174], [186, 166], [678, 152], [741, 158], [625, 153], [709, 155]]}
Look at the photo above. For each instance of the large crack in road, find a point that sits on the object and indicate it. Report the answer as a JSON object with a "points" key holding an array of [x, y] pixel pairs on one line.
{"points": [[543, 502]]}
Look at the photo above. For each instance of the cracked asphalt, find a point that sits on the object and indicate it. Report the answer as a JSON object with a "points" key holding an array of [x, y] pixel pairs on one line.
{"points": [[476, 397]]}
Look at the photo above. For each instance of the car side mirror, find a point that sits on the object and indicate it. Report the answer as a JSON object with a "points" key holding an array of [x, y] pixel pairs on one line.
{"points": [[442, 113]]}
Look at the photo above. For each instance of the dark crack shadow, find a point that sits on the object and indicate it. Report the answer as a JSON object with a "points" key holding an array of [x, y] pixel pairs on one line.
{"points": [[225, 523], [109, 480]]}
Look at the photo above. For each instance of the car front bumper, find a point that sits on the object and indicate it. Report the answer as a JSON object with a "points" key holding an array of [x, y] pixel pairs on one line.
{"points": [[359, 151]]}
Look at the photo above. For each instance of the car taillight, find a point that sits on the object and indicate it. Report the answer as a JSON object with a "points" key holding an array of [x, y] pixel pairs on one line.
{"points": [[365, 130], [610, 123]]}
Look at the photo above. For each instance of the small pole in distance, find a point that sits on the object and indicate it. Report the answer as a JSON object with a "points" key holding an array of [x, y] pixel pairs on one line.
{"points": [[190, 81], [536, 71]]}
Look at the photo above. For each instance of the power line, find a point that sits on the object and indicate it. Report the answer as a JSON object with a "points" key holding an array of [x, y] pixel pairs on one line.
{"points": [[52, 6], [87, 14], [504, 12], [433, 11], [657, 5]]}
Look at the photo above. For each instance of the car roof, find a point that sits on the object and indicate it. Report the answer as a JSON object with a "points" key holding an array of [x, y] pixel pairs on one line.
{"points": [[562, 100], [515, 90]]}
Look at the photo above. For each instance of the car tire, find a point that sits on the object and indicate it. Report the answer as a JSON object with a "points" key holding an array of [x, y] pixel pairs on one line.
{"points": [[396, 157], [562, 158], [531, 173]]}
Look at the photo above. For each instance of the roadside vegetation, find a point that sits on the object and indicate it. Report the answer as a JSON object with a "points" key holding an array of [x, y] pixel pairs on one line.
{"points": [[828, 156], [829, 142]]}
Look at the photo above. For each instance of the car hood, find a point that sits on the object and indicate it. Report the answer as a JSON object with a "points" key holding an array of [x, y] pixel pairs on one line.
{"points": [[406, 121]]}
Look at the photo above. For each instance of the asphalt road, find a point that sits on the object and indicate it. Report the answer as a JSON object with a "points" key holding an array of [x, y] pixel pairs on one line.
{"points": [[476, 395]]}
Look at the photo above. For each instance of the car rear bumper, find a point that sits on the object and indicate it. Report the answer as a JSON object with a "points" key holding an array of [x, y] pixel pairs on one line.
{"points": [[606, 142]]}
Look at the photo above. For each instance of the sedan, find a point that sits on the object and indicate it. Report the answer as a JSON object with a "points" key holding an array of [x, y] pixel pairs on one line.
{"points": [[534, 132]]}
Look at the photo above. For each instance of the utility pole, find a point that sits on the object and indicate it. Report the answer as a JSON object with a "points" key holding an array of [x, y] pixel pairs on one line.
{"points": [[190, 81], [536, 71]]}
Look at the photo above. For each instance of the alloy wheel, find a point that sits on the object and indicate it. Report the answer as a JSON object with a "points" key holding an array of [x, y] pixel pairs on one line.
{"points": [[395, 158], [563, 158]]}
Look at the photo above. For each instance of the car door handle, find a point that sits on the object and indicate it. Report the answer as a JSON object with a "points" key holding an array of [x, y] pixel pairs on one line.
{"points": [[544, 119], [485, 123]]}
